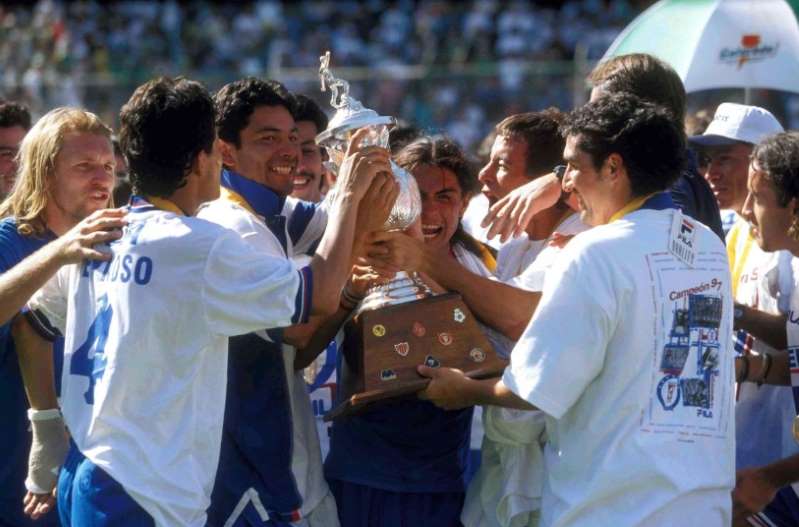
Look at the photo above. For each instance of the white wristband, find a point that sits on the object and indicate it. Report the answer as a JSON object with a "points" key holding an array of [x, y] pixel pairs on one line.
{"points": [[43, 415]]}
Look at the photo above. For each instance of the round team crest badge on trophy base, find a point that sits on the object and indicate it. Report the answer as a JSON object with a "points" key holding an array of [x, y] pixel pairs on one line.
{"points": [[382, 364]]}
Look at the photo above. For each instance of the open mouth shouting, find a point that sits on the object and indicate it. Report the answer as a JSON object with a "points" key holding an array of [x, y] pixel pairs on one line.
{"points": [[431, 231]]}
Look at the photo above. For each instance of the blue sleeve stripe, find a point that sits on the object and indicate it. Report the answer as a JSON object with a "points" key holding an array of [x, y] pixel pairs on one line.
{"points": [[300, 218], [302, 301], [41, 325]]}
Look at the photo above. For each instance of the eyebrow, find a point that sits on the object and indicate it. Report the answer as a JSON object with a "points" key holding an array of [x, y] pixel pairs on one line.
{"points": [[447, 190], [273, 129]]}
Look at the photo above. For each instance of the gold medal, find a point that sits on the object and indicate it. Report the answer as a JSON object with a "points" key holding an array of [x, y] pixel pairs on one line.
{"points": [[796, 428]]}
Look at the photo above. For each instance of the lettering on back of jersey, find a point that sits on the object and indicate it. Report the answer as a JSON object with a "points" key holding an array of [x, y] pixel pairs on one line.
{"points": [[123, 267]]}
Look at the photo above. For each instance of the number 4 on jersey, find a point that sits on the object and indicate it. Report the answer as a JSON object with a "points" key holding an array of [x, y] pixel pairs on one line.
{"points": [[93, 367]]}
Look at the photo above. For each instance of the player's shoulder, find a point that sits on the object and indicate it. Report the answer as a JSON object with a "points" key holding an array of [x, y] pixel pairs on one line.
{"points": [[175, 231], [8, 231], [13, 245], [228, 214]]}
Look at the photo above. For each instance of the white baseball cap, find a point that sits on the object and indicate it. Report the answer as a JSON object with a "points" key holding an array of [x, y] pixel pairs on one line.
{"points": [[737, 123]]}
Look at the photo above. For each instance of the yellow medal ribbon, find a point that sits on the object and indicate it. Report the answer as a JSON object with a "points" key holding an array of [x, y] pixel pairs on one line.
{"points": [[487, 258], [630, 207], [738, 262], [164, 204], [234, 197]]}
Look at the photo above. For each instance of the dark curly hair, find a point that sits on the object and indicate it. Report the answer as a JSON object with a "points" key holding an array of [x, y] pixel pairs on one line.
{"points": [[648, 139], [440, 152], [165, 124], [445, 153], [14, 114], [778, 156], [236, 101], [540, 131]]}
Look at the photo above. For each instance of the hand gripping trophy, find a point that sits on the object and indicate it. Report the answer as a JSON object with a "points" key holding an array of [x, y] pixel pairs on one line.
{"points": [[401, 324], [350, 117]]}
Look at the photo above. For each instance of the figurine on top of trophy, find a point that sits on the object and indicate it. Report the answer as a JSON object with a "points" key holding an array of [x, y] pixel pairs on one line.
{"points": [[350, 117]]}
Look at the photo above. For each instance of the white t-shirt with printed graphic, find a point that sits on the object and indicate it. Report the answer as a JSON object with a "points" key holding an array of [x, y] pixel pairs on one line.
{"points": [[146, 350], [763, 414], [630, 356]]}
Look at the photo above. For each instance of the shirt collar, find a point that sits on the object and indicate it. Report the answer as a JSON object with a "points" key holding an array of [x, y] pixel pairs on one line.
{"points": [[251, 195]]}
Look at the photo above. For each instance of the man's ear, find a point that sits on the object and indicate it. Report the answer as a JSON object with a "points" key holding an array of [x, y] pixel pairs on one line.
{"points": [[614, 166], [229, 157]]}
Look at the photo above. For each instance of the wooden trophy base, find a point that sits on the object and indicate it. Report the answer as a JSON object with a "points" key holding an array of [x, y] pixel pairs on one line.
{"points": [[384, 347]]}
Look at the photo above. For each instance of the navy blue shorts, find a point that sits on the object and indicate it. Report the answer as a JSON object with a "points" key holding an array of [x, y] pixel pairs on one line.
{"points": [[362, 506], [783, 511], [89, 497]]}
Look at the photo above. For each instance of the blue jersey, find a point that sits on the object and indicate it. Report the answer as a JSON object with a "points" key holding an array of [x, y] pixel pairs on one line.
{"points": [[406, 445], [15, 440]]}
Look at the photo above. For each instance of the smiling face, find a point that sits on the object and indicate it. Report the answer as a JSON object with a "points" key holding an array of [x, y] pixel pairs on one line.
{"points": [[308, 179], [442, 204], [82, 180], [599, 194], [768, 219], [269, 152], [506, 168], [727, 174]]}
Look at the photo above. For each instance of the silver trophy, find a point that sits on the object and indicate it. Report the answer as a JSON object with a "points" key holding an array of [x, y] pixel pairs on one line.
{"points": [[350, 117]]}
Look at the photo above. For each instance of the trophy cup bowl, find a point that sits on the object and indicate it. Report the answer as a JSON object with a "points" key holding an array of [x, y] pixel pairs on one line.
{"points": [[401, 324]]}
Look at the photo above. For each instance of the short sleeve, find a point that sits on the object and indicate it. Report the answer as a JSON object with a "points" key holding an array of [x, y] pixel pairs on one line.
{"points": [[47, 308], [246, 290], [563, 347]]}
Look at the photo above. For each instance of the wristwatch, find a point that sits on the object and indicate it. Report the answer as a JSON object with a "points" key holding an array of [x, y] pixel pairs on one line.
{"points": [[559, 172]]}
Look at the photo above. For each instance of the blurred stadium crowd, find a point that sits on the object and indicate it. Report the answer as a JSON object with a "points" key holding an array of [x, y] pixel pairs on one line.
{"points": [[448, 66]]}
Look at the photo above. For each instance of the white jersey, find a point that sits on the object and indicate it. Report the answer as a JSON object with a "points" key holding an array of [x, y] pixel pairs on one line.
{"points": [[629, 354], [475, 212], [518, 262], [306, 461], [763, 414], [143, 386]]}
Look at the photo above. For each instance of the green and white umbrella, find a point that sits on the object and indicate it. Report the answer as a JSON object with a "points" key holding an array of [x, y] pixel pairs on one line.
{"points": [[719, 43]]}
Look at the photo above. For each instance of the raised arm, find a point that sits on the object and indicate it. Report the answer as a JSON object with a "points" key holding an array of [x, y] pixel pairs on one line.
{"points": [[510, 216], [19, 283], [333, 259]]}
